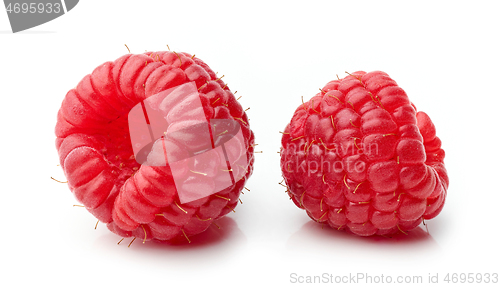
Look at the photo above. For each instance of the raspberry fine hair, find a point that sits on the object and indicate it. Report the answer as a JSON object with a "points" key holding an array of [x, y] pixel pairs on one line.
{"points": [[359, 157], [96, 153]]}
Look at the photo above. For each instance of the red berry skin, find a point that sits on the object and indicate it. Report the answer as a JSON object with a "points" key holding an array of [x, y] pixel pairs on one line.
{"points": [[96, 154], [359, 157]]}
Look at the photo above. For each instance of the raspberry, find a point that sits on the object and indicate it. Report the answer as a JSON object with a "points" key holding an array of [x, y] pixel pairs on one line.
{"points": [[138, 193], [359, 157]]}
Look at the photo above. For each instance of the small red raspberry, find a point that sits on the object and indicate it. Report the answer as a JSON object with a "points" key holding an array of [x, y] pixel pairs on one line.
{"points": [[361, 158], [167, 187]]}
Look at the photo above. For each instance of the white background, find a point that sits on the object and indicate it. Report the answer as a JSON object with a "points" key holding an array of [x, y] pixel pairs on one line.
{"points": [[444, 54]]}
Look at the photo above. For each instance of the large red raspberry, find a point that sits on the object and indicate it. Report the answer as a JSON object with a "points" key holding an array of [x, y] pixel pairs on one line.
{"points": [[141, 198], [361, 158]]}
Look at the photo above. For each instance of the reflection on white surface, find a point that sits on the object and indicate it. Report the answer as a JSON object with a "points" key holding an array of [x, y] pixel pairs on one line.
{"points": [[315, 237], [211, 246]]}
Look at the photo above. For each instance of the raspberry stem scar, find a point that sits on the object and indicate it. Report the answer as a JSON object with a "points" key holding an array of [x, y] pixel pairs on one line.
{"points": [[59, 180], [145, 234], [239, 119], [335, 98], [333, 125], [324, 144], [180, 207], [202, 86], [351, 104], [131, 242], [322, 216], [345, 175], [179, 59], [203, 219], [224, 132], [312, 106], [371, 95], [189, 241], [242, 167], [355, 138], [303, 104], [359, 79], [350, 120], [357, 187], [197, 172], [401, 230], [309, 146], [228, 199]]}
